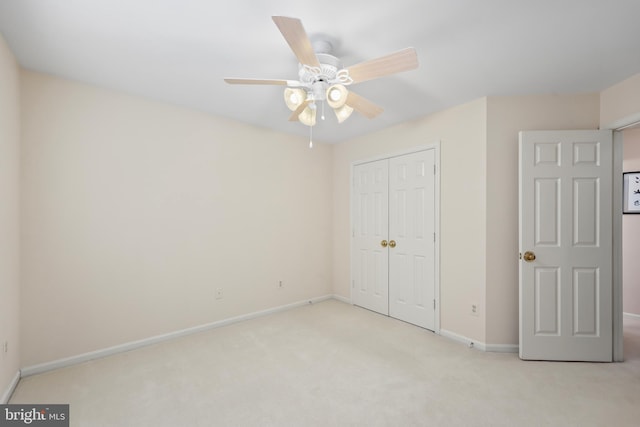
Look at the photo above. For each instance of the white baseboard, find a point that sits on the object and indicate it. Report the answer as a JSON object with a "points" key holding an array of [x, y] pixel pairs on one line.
{"points": [[463, 340], [341, 298], [495, 348], [503, 348], [81, 358], [9, 391], [636, 316]]}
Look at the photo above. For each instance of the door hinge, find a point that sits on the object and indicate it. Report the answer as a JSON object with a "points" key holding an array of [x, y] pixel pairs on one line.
{"points": [[434, 169], [434, 237], [434, 304]]}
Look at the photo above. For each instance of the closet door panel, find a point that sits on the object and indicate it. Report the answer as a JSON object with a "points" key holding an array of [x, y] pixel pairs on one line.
{"points": [[412, 229], [370, 211]]}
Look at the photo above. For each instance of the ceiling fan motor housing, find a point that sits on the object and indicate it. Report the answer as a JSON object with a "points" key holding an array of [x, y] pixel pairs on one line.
{"points": [[318, 79], [328, 70]]}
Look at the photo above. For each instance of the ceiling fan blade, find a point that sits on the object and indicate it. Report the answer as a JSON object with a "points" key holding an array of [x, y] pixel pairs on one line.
{"points": [[363, 105], [402, 60], [296, 36], [257, 82], [294, 116]]}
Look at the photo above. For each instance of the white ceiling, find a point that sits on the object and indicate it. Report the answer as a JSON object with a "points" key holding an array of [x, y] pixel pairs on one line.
{"points": [[180, 50]]}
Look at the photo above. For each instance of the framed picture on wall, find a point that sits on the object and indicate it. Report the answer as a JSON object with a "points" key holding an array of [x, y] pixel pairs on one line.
{"points": [[631, 195]]}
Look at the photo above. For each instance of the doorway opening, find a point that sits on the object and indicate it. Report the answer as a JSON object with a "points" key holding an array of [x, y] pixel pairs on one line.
{"points": [[630, 229], [619, 128]]}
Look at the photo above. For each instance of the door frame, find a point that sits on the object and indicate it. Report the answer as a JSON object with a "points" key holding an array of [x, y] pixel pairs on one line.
{"points": [[433, 146], [618, 329]]}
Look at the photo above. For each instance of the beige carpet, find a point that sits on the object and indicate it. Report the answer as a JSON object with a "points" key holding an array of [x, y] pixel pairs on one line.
{"points": [[332, 364]]}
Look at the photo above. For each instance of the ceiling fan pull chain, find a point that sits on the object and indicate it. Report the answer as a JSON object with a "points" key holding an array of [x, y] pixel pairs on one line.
{"points": [[310, 136]]}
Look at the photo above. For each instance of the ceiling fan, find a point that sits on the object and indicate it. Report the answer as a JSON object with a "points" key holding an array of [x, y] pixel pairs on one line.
{"points": [[322, 77]]}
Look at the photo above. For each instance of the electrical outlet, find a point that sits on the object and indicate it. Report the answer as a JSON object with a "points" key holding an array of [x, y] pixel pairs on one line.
{"points": [[280, 284], [219, 293], [474, 309]]}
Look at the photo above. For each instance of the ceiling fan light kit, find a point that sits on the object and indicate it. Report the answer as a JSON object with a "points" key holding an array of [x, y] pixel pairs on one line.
{"points": [[308, 115], [293, 97], [343, 113], [337, 96], [323, 78]]}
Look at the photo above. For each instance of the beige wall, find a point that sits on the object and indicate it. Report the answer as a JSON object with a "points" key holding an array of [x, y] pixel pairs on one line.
{"points": [[136, 211], [479, 201], [620, 101], [461, 131], [631, 231], [506, 116], [9, 217]]}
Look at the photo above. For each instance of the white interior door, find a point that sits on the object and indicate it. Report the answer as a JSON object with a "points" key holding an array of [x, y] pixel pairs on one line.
{"points": [[412, 238], [370, 256], [566, 245]]}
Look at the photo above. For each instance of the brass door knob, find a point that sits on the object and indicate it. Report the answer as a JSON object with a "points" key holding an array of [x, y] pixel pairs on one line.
{"points": [[384, 243], [392, 243], [529, 256]]}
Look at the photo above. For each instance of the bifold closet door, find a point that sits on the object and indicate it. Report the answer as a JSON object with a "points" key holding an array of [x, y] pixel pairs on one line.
{"points": [[370, 256]]}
